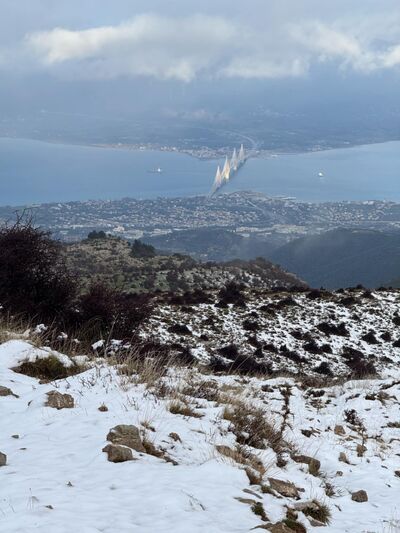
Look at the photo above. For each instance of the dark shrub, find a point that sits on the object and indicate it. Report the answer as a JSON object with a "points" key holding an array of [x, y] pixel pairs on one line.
{"points": [[314, 294], [386, 336], [312, 347], [244, 365], [250, 325], [97, 235], [269, 347], [396, 344], [301, 335], [139, 249], [396, 320], [230, 351], [348, 301], [292, 355], [232, 294], [324, 368], [360, 368], [286, 302], [33, 279], [198, 296], [368, 295], [110, 312], [179, 329], [333, 329], [370, 338], [326, 348], [268, 308]]}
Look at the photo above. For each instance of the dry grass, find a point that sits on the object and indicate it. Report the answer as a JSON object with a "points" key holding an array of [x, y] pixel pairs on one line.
{"points": [[319, 511], [180, 407], [48, 369], [252, 428], [253, 466]]}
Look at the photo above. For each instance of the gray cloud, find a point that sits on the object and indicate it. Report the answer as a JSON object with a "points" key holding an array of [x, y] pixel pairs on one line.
{"points": [[187, 47]]}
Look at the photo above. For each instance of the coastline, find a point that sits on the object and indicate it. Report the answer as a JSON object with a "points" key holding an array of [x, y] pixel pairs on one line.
{"points": [[202, 154]]}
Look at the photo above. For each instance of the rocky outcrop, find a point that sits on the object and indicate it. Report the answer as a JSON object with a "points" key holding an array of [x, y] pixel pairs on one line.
{"points": [[118, 454], [126, 435], [59, 401], [3, 459], [5, 391], [284, 488], [360, 496]]}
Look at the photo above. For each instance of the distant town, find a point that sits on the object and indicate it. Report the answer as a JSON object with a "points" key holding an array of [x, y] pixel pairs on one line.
{"points": [[246, 213]]}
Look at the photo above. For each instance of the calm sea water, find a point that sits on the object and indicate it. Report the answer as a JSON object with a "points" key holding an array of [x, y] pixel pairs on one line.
{"points": [[33, 172]]}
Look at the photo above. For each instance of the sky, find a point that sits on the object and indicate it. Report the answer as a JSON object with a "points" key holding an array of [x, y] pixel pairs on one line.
{"points": [[71, 53]]}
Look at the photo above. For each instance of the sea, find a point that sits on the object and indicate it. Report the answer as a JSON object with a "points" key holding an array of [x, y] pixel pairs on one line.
{"points": [[40, 172]]}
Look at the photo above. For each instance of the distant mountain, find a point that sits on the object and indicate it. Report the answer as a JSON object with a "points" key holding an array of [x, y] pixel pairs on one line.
{"points": [[212, 244], [343, 258]]}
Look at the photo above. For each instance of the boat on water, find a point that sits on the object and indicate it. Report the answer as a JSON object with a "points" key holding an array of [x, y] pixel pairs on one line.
{"points": [[157, 170]]}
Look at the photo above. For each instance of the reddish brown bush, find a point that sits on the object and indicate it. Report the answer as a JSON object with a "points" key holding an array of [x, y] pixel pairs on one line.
{"points": [[33, 279]]}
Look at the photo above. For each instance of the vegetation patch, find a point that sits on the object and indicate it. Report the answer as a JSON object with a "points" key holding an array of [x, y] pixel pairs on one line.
{"points": [[48, 369]]}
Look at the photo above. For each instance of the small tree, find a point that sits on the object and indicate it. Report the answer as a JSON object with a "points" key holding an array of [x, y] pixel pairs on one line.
{"points": [[33, 279]]}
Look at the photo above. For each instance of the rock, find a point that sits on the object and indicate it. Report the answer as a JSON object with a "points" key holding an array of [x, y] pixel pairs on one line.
{"points": [[175, 437], [103, 408], [118, 454], [59, 401], [3, 459], [313, 464], [343, 458], [5, 391], [126, 436], [15, 436], [307, 432], [284, 488], [339, 430], [397, 473], [359, 496]]}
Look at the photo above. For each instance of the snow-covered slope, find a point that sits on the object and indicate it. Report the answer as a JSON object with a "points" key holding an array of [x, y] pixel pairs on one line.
{"points": [[57, 479], [349, 331]]}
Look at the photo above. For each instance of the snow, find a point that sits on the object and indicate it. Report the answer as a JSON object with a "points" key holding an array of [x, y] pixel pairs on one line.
{"points": [[15, 352], [58, 461], [225, 326]]}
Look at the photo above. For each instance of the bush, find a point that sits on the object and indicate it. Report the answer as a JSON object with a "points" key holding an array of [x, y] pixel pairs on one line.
{"points": [[48, 368], [333, 329], [139, 249], [111, 312], [252, 428], [324, 368], [97, 235], [232, 294], [179, 329], [33, 279]]}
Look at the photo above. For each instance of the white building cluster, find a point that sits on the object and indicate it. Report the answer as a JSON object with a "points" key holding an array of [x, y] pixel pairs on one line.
{"points": [[229, 169]]}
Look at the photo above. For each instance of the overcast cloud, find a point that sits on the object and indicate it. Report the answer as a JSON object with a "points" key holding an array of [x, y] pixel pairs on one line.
{"points": [[185, 41]]}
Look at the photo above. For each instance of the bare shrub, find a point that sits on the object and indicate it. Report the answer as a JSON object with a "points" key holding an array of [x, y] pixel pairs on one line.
{"points": [[180, 407], [251, 427], [33, 279], [110, 311]]}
